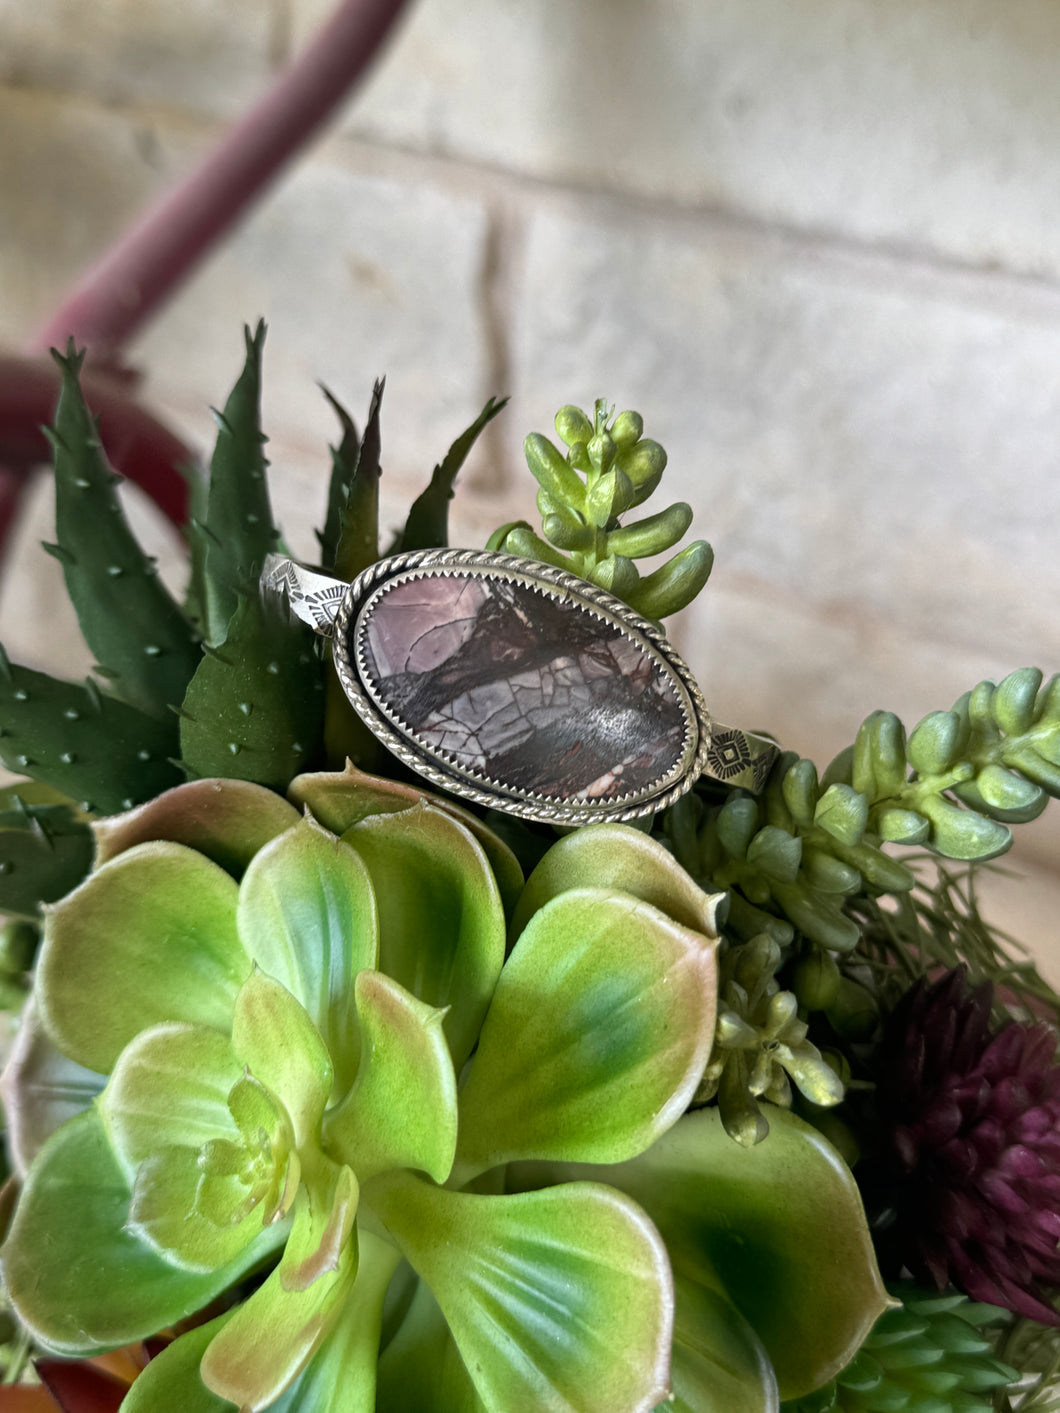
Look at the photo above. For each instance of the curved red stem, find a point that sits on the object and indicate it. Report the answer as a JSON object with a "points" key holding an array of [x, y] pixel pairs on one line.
{"points": [[146, 264]]}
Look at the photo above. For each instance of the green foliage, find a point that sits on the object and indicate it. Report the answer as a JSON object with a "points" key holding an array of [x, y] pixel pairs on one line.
{"points": [[427, 525], [760, 1045], [609, 469], [278, 1052], [254, 708], [146, 647], [45, 851], [350, 541], [933, 1354], [230, 544], [795, 856]]}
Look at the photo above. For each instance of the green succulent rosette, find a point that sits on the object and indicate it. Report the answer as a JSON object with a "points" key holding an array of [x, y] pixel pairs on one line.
{"points": [[392, 1131]]}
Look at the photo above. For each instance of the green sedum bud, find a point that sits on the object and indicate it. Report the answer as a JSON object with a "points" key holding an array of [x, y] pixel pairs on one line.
{"points": [[760, 1045], [609, 469]]}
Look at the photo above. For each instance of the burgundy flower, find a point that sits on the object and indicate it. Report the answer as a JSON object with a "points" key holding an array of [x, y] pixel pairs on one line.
{"points": [[974, 1145]]}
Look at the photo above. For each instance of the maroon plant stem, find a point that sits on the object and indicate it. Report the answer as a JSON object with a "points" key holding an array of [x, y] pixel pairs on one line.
{"points": [[144, 266]]}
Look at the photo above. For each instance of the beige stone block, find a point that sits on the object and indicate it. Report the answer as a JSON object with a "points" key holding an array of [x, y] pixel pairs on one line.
{"points": [[194, 54], [925, 124], [861, 441]]}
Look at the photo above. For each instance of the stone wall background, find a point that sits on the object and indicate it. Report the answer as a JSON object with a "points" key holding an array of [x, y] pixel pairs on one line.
{"points": [[815, 242]]}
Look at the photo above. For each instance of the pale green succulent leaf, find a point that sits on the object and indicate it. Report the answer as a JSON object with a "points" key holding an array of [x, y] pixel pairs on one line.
{"points": [[599, 1031], [276, 1040], [273, 1335], [778, 1228], [40, 1089], [614, 856], [171, 1382], [341, 1376], [401, 1111], [421, 1367], [719, 1365], [341, 799], [323, 1226], [556, 1299], [307, 914], [149, 937], [169, 1088], [66, 1289], [441, 922], [227, 820], [164, 1213]]}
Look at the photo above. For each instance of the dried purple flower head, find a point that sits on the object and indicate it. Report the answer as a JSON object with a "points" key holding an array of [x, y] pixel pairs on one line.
{"points": [[974, 1144]]}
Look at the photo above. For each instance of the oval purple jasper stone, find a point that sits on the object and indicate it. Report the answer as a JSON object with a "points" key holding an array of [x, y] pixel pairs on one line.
{"points": [[523, 686]]}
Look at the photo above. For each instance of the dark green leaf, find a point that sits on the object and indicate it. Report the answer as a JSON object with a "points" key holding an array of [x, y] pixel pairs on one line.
{"points": [[127, 615], [428, 524], [357, 544], [45, 851]]}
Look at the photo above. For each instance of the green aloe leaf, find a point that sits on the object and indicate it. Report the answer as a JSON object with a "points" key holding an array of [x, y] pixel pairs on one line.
{"points": [[254, 709], [344, 460], [778, 1228], [149, 937], [341, 799], [45, 851], [128, 618], [441, 923], [307, 915], [614, 856], [80, 1279], [421, 1367], [357, 520], [556, 1299], [401, 1111], [427, 525], [40, 1089], [274, 1334], [719, 1365], [599, 1031], [238, 531], [227, 820], [170, 1087], [277, 1041], [96, 750]]}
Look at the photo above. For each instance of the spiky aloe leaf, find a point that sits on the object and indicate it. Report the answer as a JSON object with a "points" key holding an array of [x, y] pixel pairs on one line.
{"points": [[145, 645], [253, 709], [344, 458], [230, 544], [357, 521], [427, 525], [101, 752], [45, 851]]}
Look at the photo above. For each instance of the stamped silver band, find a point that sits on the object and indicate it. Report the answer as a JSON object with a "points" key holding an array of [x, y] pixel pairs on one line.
{"points": [[515, 684]]}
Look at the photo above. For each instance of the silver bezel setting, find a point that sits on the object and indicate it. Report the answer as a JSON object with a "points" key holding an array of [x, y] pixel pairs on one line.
{"points": [[362, 595]]}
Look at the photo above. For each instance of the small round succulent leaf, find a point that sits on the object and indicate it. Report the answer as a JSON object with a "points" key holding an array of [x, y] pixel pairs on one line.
{"points": [[307, 916], [777, 1227], [718, 1365], [273, 1335], [165, 1213], [401, 1111], [556, 1299], [227, 820], [273, 1036], [617, 856], [171, 1384], [170, 1087], [79, 1278], [599, 1031], [40, 1089], [441, 922], [340, 799], [149, 937]]}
